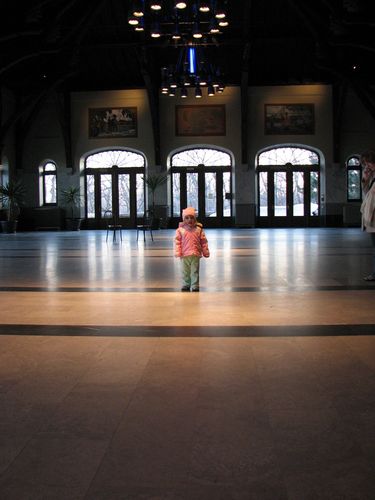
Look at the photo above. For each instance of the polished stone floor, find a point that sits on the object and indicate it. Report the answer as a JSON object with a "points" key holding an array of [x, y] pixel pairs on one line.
{"points": [[115, 385]]}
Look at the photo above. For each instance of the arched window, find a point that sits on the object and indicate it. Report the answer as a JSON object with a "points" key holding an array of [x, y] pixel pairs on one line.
{"points": [[353, 178], [284, 155], [201, 156], [288, 186], [114, 181], [49, 184], [201, 178]]}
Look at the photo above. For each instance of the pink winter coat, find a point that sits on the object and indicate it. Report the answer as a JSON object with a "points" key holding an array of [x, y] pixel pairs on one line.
{"points": [[191, 241]]}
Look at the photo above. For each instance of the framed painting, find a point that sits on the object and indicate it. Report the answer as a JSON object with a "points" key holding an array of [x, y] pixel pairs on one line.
{"points": [[289, 119], [200, 120], [106, 123]]}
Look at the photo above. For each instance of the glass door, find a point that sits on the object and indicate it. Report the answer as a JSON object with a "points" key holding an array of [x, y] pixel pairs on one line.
{"points": [[124, 204], [192, 190], [121, 193], [288, 180], [288, 197], [201, 178], [209, 192], [114, 182]]}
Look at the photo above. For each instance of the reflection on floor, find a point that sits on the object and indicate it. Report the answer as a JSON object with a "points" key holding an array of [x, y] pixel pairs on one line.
{"points": [[115, 385]]}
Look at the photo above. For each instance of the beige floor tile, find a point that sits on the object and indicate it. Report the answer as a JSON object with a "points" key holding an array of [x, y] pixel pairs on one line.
{"points": [[171, 402]]}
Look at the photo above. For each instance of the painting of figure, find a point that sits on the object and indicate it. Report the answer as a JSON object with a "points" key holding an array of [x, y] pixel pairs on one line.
{"points": [[112, 122]]}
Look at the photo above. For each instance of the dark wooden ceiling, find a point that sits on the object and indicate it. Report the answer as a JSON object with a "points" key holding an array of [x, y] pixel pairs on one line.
{"points": [[80, 45], [62, 46]]}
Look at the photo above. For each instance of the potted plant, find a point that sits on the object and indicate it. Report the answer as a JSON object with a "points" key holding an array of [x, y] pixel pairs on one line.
{"points": [[71, 198], [12, 196], [153, 181]]}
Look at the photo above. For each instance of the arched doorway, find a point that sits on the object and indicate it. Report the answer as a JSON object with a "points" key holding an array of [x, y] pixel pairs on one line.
{"points": [[202, 178], [114, 181], [288, 187]]}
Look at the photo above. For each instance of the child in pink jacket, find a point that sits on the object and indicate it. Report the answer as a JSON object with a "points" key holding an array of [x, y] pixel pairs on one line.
{"points": [[190, 245]]}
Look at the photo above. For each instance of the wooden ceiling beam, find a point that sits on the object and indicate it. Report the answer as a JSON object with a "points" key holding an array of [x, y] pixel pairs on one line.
{"points": [[153, 100], [27, 108], [245, 82]]}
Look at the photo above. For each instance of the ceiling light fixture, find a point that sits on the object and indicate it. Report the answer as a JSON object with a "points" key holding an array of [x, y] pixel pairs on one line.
{"points": [[178, 20], [220, 12], [155, 5], [204, 6], [138, 10], [192, 70], [141, 25], [198, 92]]}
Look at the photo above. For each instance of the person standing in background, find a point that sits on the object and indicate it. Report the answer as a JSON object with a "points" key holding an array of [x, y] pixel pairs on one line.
{"points": [[368, 205]]}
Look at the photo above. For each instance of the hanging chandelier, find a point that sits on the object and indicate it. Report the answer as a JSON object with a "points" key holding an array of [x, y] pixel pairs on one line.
{"points": [[179, 21], [192, 71]]}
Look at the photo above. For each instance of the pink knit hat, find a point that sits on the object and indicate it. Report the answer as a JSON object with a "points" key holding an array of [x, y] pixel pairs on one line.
{"points": [[188, 211]]}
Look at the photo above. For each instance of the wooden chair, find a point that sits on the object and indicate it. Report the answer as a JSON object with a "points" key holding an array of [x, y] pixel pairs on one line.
{"points": [[112, 224], [146, 227]]}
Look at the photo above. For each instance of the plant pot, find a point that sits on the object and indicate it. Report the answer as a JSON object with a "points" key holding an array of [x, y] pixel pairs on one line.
{"points": [[73, 224], [8, 226]]}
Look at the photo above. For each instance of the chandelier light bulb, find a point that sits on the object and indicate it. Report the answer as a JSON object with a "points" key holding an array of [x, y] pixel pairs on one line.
{"points": [[138, 8], [204, 6], [210, 90], [141, 25], [155, 30], [198, 92], [155, 5]]}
